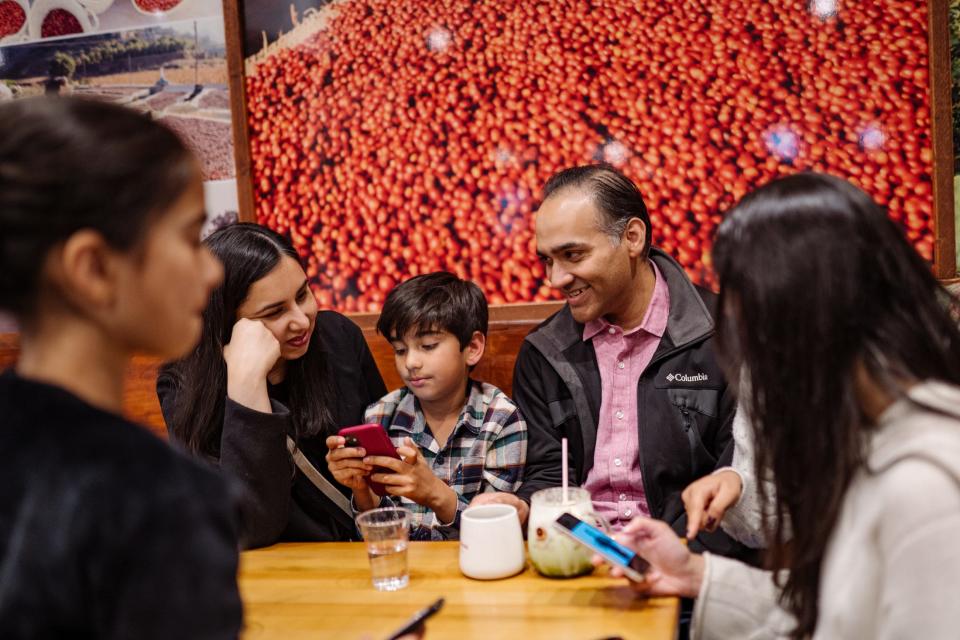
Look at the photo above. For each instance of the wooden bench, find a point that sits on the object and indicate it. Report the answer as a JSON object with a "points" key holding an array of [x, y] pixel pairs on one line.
{"points": [[508, 326]]}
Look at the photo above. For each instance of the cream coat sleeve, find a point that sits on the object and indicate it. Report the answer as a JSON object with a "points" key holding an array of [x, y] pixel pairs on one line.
{"points": [[921, 596], [737, 601], [744, 520], [891, 571]]}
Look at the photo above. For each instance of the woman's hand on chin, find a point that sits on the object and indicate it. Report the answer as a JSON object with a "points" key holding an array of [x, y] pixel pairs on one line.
{"points": [[250, 355]]}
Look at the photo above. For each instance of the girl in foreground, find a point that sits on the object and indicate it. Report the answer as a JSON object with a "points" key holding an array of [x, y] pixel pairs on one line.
{"points": [[270, 366], [854, 366], [105, 531]]}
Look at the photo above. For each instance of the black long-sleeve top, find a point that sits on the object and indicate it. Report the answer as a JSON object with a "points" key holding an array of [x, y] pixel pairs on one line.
{"points": [[282, 503], [105, 531]]}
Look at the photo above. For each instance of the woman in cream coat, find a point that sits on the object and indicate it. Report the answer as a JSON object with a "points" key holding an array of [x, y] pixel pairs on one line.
{"points": [[854, 413]]}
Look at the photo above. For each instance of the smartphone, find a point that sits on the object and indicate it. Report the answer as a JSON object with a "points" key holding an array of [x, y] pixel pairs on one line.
{"points": [[418, 620], [612, 551], [375, 440]]}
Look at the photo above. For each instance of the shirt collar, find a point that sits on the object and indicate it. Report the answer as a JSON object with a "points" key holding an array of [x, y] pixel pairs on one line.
{"points": [[655, 318], [473, 407]]}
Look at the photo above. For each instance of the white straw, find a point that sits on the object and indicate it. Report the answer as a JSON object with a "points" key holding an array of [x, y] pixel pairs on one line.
{"points": [[563, 446]]}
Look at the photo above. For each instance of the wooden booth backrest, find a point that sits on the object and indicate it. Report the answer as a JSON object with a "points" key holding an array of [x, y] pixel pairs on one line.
{"points": [[508, 327]]}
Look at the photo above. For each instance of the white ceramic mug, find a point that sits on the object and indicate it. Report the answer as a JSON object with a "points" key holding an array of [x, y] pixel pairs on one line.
{"points": [[491, 542]]}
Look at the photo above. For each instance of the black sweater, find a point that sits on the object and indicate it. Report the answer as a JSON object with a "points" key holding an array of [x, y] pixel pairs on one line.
{"points": [[105, 531], [282, 504]]}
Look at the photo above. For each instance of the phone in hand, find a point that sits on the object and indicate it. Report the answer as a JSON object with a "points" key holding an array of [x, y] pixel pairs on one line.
{"points": [[612, 551], [418, 620], [375, 440]]}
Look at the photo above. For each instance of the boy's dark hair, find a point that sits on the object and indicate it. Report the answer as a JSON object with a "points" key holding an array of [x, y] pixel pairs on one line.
{"points": [[437, 301]]}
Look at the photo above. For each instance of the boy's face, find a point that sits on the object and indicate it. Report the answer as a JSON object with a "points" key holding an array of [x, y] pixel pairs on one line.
{"points": [[432, 365]]}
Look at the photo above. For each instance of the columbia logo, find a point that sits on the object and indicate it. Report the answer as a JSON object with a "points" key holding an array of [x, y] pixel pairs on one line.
{"points": [[682, 377]]}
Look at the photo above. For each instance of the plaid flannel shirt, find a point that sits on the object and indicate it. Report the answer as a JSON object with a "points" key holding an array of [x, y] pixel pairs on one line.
{"points": [[486, 450]]}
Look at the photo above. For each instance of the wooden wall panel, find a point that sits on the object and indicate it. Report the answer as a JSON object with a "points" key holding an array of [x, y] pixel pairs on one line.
{"points": [[944, 250], [496, 367], [508, 327], [140, 402]]}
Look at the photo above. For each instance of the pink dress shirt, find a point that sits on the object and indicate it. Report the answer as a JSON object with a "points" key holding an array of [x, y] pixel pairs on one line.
{"points": [[615, 481]]}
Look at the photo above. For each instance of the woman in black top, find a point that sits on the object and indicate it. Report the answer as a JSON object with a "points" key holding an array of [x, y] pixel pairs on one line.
{"points": [[105, 531], [270, 366]]}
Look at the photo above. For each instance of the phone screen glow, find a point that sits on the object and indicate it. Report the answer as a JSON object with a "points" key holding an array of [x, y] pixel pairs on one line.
{"points": [[603, 543]]}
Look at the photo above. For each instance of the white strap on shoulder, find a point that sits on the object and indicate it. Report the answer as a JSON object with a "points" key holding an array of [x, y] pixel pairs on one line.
{"points": [[325, 486]]}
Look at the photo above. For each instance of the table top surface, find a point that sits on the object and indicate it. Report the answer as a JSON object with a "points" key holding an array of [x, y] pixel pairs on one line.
{"points": [[323, 590]]}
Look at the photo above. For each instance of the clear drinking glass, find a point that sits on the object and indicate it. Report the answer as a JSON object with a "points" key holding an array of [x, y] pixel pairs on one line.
{"points": [[386, 532]]}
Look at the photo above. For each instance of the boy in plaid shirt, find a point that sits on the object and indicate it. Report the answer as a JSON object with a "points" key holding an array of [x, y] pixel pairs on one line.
{"points": [[457, 437]]}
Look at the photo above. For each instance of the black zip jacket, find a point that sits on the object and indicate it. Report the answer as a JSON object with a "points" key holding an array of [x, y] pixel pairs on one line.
{"points": [[684, 406]]}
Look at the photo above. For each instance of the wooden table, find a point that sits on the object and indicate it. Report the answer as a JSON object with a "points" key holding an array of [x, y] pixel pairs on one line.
{"points": [[323, 590]]}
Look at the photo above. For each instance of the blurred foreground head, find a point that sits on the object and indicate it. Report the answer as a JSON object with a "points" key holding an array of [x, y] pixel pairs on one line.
{"points": [[100, 213], [831, 314]]}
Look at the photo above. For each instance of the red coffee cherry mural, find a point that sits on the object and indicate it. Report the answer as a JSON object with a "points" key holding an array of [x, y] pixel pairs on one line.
{"points": [[403, 136]]}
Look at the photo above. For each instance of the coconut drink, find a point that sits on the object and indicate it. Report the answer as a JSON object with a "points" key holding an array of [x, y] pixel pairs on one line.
{"points": [[552, 553]]}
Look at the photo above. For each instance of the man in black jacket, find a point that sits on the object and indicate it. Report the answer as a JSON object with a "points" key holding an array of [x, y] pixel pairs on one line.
{"points": [[626, 370]]}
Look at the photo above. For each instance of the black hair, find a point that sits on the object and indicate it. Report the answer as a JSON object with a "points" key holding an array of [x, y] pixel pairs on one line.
{"points": [[248, 253], [616, 196], [437, 301], [817, 284], [68, 164]]}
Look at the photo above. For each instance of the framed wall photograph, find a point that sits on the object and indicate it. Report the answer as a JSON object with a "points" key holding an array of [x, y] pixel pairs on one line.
{"points": [[165, 58], [388, 139], [953, 21]]}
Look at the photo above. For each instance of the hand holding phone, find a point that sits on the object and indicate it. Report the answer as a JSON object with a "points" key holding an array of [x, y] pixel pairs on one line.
{"points": [[633, 565], [375, 440], [418, 620]]}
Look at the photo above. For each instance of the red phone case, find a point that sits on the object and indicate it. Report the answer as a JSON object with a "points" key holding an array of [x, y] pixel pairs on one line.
{"points": [[375, 440]]}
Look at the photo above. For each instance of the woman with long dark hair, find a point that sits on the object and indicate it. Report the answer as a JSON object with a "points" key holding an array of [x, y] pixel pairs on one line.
{"points": [[853, 357], [105, 531], [271, 379]]}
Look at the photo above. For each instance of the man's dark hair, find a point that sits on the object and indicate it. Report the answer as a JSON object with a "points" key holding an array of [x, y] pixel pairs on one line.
{"points": [[437, 301], [613, 193]]}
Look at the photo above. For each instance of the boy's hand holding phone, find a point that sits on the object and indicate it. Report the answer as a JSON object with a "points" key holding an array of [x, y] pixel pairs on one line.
{"points": [[348, 468], [412, 478]]}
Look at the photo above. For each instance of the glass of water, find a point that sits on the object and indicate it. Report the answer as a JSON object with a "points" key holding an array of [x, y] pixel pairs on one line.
{"points": [[386, 532]]}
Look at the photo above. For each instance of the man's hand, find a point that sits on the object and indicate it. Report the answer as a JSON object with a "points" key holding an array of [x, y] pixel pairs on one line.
{"points": [[707, 499], [674, 571], [347, 466], [498, 497], [412, 478]]}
